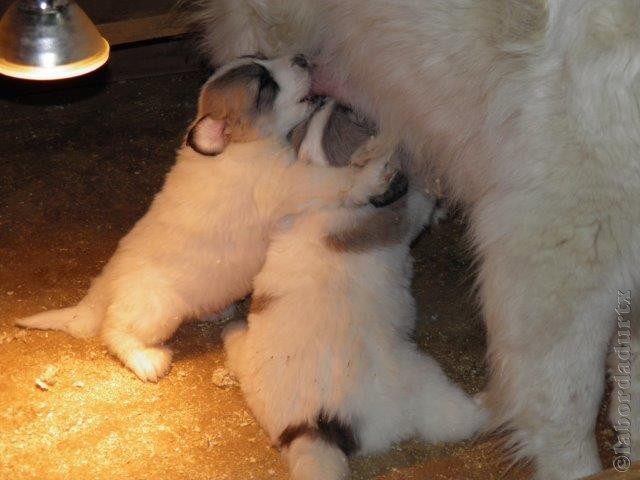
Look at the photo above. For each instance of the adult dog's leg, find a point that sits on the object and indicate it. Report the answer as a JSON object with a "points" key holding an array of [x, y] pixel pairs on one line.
{"points": [[549, 282]]}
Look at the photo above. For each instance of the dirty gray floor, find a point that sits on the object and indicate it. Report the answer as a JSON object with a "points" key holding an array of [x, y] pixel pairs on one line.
{"points": [[75, 174]]}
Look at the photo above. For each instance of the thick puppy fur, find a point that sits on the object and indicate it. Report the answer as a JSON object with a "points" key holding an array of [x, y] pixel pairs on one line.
{"points": [[205, 235], [345, 378], [529, 112]]}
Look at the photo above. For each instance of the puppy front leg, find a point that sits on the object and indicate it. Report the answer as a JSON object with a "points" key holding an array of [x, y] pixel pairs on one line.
{"points": [[353, 186]]}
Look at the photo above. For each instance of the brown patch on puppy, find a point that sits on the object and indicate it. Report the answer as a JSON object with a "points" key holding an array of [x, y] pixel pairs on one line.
{"points": [[344, 132], [238, 97], [260, 302], [292, 432], [337, 432], [297, 134], [381, 228]]}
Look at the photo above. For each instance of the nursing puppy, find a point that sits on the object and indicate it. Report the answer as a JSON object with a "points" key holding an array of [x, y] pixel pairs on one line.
{"points": [[529, 112], [205, 235], [325, 361]]}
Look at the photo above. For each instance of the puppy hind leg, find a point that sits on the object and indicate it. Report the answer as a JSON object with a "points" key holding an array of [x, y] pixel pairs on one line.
{"points": [[135, 328], [148, 363], [440, 410], [311, 458]]}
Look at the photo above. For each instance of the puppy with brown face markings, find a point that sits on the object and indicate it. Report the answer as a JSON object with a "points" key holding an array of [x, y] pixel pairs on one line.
{"points": [[205, 235], [325, 361]]}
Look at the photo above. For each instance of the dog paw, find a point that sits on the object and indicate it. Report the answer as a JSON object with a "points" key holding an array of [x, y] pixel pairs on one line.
{"points": [[375, 148], [150, 364], [372, 180], [398, 188]]}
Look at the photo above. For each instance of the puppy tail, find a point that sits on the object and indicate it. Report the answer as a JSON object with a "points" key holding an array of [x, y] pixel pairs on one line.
{"points": [[314, 459], [318, 452], [81, 321]]}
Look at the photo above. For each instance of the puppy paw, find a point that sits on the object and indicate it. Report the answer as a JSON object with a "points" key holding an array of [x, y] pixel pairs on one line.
{"points": [[375, 148], [150, 364], [372, 180], [398, 188]]}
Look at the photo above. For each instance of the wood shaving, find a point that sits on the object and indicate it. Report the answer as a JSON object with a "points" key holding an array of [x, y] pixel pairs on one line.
{"points": [[221, 378]]}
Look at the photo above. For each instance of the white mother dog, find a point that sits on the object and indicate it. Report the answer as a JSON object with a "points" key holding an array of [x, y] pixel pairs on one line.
{"points": [[530, 112]]}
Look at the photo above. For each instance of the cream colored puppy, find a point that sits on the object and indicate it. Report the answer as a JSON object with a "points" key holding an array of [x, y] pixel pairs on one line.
{"points": [[325, 361], [205, 235]]}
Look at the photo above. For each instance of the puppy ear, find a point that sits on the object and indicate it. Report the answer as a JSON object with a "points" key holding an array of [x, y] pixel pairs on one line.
{"points": [[296, 135], [208, 136]]}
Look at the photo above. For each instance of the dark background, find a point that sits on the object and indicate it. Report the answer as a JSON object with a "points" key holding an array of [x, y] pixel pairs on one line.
{"points": [[105, 11]]}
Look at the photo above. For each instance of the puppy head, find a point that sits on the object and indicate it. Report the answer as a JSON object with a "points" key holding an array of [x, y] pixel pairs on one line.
{"points": [[249, 99], [331, 135]]}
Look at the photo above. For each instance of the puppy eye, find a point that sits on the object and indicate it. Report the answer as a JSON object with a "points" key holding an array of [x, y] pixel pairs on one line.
{"points": [[255, 56]]}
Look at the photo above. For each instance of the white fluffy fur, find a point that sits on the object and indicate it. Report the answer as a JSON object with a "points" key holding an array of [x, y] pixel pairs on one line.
{"points": [[334, 337], [624, 370], [530, 112], [310, 459], [205, 235]]}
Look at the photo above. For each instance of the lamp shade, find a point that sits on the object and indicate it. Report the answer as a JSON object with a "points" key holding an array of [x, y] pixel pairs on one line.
{"points": [[48, 40]]}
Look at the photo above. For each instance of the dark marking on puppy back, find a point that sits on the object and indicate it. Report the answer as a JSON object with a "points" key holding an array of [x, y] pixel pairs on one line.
{"points": [[336, 432], [292, 432], [380, 228], [329, 429]]}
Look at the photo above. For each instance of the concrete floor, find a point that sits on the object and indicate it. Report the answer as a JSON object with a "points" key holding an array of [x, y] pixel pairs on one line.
{"points": [[77, 168]]}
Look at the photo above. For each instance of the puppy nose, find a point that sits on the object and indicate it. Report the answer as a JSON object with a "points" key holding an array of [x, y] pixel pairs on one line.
{"points": [[301, 61]]}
